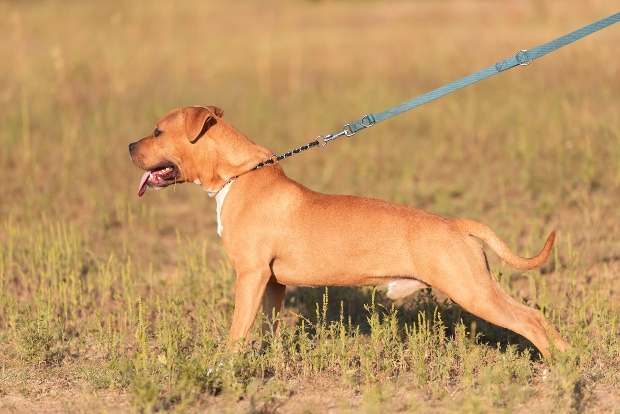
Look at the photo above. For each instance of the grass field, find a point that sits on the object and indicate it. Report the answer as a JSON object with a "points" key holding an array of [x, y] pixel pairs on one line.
{"points": [[113, 303]]}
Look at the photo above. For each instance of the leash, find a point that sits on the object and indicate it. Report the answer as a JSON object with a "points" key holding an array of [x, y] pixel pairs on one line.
{"points": [[522, 58]]}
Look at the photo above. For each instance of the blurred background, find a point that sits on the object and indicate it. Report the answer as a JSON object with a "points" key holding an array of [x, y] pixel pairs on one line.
{"points": [[527, 151]]}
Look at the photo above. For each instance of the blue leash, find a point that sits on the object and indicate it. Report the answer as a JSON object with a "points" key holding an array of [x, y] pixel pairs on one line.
{"points": [[523, 58]]}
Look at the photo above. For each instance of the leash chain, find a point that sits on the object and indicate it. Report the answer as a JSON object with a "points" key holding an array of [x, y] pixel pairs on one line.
{"points": [[287, 154], [274, 158], [319, 141]]}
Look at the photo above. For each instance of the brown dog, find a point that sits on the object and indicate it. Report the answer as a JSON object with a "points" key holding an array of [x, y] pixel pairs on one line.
{"points": [[277, 232]]}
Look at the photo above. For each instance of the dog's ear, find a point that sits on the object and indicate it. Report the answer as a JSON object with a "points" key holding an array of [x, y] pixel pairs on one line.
{"points": [[217, 111], [198, 120]]}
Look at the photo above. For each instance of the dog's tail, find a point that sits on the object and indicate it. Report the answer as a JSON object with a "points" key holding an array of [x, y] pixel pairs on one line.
{"points": [[484, 233]]}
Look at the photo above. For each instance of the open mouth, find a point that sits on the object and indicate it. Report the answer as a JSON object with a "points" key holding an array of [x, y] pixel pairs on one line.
{"points": [[158, 178]]}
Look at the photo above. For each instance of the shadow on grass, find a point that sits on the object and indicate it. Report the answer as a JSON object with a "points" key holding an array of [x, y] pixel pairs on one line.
{"points": [[349, 302]]}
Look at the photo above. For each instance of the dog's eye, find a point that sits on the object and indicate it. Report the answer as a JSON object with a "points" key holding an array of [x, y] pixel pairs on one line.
{"points": [[156, 133]]}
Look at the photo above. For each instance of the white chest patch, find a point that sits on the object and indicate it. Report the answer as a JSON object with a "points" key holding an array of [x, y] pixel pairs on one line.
{"points": [[219, 199]]}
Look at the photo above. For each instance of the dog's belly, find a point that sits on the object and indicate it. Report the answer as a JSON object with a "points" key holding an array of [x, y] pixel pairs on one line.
{"points": [[398, 286], [332, 279], [343, 267]]}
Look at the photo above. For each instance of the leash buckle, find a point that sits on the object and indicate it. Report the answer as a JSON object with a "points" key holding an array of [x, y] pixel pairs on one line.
{"points": [[523, 58]]}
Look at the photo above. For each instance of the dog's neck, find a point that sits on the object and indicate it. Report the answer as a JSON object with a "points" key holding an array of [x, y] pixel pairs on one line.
{"points": [[230, 153]]}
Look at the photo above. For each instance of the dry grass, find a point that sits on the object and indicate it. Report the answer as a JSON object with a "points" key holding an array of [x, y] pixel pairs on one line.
{"points": [[113, 303]]}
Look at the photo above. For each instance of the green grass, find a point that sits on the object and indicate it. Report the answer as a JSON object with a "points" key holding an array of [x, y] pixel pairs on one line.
{"points": [[113, 303]]}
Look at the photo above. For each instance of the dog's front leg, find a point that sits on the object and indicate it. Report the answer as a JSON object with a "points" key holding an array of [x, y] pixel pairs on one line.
{"points": [[250, 289], [273, 301]]}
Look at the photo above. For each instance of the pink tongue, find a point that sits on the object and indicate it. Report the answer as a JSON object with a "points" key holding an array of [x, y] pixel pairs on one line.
{"points": [[142, 188]]}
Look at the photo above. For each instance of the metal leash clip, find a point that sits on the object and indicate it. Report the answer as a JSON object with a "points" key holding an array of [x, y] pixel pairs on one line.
{"points": [[324, 139], [321, 140], [346, 130]]}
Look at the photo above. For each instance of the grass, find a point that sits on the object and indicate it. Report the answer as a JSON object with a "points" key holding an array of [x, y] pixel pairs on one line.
{"points": [[113, 303]]}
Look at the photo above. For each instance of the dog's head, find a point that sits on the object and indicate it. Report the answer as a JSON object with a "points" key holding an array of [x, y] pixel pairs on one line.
{"points": [[162, 154]]}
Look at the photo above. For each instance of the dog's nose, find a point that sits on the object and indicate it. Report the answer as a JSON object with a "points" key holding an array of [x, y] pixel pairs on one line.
{"points": [[132, 146]]}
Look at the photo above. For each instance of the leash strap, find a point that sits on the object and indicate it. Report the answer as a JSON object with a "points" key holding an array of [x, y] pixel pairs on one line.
{"points": [[523, 58]]}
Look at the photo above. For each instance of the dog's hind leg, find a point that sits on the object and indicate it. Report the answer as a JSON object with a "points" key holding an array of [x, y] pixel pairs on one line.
{"points": [[479, 293]]}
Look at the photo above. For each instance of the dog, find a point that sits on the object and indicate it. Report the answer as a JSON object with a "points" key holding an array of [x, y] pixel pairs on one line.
{"points": [[276, 232]]}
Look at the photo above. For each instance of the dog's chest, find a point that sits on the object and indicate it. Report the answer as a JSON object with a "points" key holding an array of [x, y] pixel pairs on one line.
{"points": [[219, 199]]}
